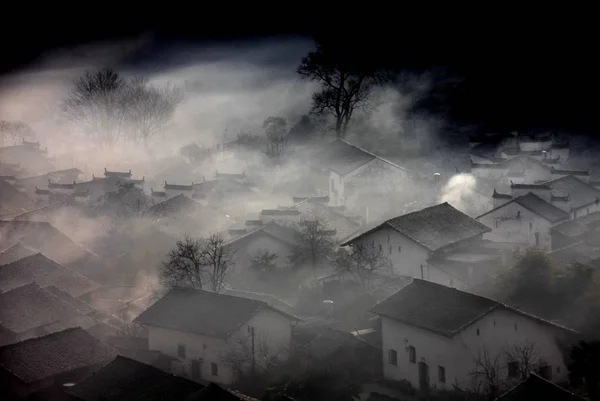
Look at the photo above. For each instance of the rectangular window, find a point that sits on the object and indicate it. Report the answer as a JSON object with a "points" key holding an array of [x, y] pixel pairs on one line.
{"points": [[390, 251], [380, 247], [513, 369], [442, 374], [181, 351], [530, 226], [393, 357], [412, 354], [214, 369], [399, 249]]}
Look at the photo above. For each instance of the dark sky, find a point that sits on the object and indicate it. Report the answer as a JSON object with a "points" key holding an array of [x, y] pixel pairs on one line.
{"points": [[519, 71]]}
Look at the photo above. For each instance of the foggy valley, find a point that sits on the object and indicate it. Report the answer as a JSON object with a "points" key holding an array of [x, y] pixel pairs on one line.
{"points": [[285, 218]]}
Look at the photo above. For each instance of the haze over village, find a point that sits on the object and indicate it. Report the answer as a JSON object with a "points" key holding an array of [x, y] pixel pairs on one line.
{"points": [[279, 220]]}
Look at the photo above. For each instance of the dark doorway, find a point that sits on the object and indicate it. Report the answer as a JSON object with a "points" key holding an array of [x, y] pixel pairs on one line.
{"points": [[537, 238], [196, 370], [423, 377]]}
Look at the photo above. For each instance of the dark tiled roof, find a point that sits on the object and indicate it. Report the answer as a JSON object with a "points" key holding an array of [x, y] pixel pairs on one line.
{"points": [[14, 253], [434, 227], [214, 392], [538, 388], [497, 195], [578, 252], [570, 172], [201, 312], [175, 205], [80, 306], [343, 157], [287, 235], [124, 174], [577, 227], [440, 309], [269, 299], [542, 208], [278, 212], [39, 358], [29, 307], [45, 272], [179, 187], [124, 379], [582, 194], [545, 185]]}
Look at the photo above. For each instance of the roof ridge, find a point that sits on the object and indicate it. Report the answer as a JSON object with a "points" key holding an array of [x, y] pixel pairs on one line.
{"points": [[53, 334], [372, 154]]}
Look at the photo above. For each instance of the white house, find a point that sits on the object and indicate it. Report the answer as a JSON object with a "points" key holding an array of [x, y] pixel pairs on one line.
{"points": [[345, 169], [212, 334], [412, 240], [526, 219], [433, 336]]}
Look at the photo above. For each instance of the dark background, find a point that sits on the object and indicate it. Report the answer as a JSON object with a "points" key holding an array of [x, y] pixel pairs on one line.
{"points": [[518, 72]]}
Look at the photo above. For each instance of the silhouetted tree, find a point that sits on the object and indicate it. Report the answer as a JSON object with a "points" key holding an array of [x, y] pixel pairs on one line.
{"points": [[303, 130], [264, 261], [316, 242], [584, 368], [347, 81], [98, 102], [13, 130], [276, 137], [198, 263], [362, 261], [149, 108]]}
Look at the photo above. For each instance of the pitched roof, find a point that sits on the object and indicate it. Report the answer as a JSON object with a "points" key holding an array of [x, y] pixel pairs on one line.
{"points": [[14, 253], [175, 205], [272, 300], [434, 227], [124, 379], [284, 234], [215, 392], [579, 226], [80, 306], [43, 357], [582, 194], [440, 309], [343, 157], [45, 272], [29, 307], [179, 187], [538, 388], [202, 312], [542, 208], [117, 173]]}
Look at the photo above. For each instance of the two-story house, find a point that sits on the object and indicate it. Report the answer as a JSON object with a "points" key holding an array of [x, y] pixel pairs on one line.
{"points": [[526, 219], [413, 240], [344, 169], [439, 337], [216, 335]]}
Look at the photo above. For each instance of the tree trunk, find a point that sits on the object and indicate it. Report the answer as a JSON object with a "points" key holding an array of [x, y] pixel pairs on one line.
{"points": [[338, 128]]}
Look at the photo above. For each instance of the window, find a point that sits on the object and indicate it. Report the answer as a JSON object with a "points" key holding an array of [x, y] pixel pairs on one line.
{"points": [[181, 351], [587, 210], [441, 374], [204, 346], [388, 238], [513, 369], [380, 247], [497, 223], [390, 252], [393, 357], [494, 323], [399, 249], [530, 226], [214, 369], [477, 331], [332, 184], [515, 327], [412, 354]]}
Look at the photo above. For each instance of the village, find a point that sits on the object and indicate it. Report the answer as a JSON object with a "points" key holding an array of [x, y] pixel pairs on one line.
{"points": [[325, 231]]}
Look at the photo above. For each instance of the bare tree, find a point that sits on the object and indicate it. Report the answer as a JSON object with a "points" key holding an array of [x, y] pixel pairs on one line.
{"points": [[316, 242], [184, 265], [487, 373], [12, 130], [276, 136], [362, 262], [264, 261], [347, 83], [251, 355], [97, 101], [524, 357], [149, 108], [218, 259]]}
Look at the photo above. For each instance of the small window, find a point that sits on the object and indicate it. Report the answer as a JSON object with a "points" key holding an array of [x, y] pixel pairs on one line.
{"points": [[515, 327], [393, 357], [558, 369], [214, 369], [204, 346], [441, 374], [477, 331], [497, 223], [388, 238], [390, 252], [513, 369], [412, 354], [494, 323], [380, 247], [332, 183], [181, 351], [399, 249], [587, 210], [530, 226]]}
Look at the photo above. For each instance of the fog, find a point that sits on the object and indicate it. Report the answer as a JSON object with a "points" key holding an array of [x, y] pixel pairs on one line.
{"points": [[204, 203]]}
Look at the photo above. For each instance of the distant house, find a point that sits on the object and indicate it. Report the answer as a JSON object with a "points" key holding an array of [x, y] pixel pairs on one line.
{"points": [[415, 240], [31, 311], [343, 169], [206, 332], [14, 201], [536, 387], [272, 237], [582, 229], [525, 220], [45, 272], [172, 190], [434, 335], [118, 174], [52, 360], [124, 379]]}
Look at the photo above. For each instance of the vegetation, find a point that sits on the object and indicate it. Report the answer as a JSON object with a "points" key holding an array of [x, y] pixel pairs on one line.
{"points": [[315, 243], [362, 262], [276, 138]]}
